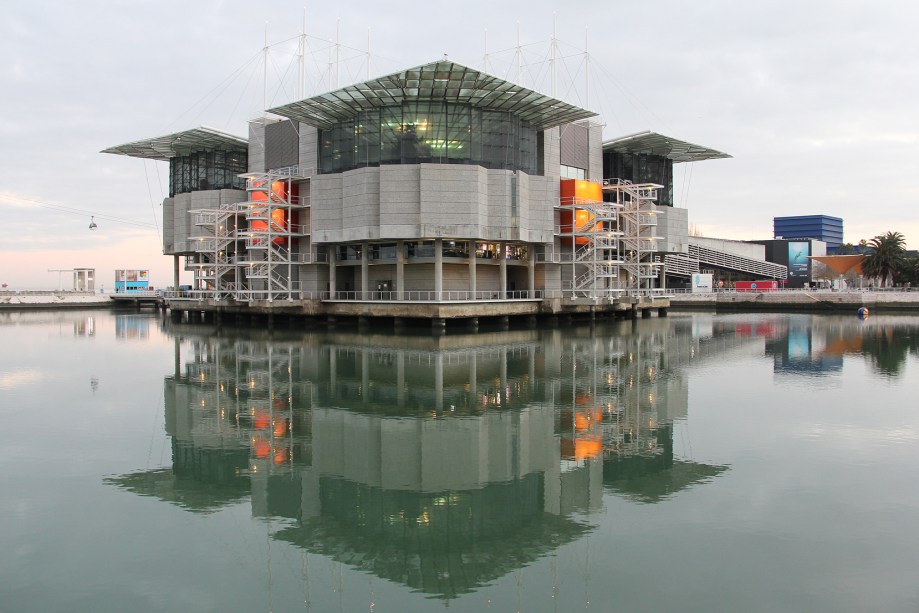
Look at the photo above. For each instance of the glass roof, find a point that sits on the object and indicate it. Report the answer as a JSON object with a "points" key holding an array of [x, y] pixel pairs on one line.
{"points": [[652, 143], [181, 143], [444, 80]]}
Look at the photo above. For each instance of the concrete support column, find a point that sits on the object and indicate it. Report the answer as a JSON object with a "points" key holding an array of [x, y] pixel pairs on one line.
{"points": [[438, 326], [502, 272], [175, 272], [365, 276], [531, 272], [438, 268], [472, 263], [332, 253], [400, 270]]}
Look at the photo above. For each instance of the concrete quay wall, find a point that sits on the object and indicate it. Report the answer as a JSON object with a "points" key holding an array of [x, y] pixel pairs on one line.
{"points": [[802, 300]]}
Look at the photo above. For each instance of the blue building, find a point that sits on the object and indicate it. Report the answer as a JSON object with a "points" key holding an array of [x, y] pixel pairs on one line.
{"points": [[818, 227]]}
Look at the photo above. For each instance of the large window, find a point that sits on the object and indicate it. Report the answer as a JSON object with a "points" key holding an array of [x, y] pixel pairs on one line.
{"points": [[207, 170], [430, 131]]}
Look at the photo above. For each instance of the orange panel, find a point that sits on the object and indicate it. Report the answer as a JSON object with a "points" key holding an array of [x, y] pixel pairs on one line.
{"points": [[576, 191]]}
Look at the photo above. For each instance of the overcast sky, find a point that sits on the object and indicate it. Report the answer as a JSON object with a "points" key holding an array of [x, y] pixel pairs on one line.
{"points": [[816, 101]]}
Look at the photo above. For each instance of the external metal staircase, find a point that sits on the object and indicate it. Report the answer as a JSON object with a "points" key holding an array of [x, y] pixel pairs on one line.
{"points": [[614, 248]]}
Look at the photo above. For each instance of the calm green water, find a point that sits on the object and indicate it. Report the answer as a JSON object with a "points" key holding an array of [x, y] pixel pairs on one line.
{"points": [[688, 463]]}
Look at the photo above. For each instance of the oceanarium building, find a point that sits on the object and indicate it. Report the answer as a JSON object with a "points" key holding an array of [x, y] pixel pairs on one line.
{"points": [[439, 191]]}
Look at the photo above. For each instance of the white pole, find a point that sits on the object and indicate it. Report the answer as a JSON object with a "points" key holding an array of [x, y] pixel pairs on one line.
{"points": [[368, 54], [302, 87], [265, 76], [519, 57], [586, 71], [485, 57], [552, 56]]}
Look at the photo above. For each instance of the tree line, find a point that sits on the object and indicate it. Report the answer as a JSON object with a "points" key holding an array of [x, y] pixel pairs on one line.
{"points": [[886, 259]]}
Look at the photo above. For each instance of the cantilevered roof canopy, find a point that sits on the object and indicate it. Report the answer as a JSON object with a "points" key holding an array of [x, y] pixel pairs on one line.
{"points": [[181, 143], [652, 143], [841, 264], [444, 80]]}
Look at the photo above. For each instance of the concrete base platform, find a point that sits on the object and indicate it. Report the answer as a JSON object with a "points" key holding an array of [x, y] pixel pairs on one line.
{"points": [[334, 312]]}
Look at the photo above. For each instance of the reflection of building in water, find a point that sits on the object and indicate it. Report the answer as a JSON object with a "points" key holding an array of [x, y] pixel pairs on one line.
{"points": [[132, 326], [84, 327], [441, 463], [813, 346], [620, 402]]}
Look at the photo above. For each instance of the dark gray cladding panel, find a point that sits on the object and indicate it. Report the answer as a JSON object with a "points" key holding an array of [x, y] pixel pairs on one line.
{"points": [[575, 142], [282, 146]]}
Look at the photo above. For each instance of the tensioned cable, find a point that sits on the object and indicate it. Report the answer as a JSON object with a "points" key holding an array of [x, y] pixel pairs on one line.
{"points": [[223, 84], [73, 210], [150, 192]]}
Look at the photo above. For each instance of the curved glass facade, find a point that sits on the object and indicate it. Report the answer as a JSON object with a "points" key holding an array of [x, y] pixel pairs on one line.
{"points": [[205, 170], [437, 132]]}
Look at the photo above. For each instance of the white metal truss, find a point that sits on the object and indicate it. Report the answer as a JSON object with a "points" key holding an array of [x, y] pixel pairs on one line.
{"points": [[638, 225], [613, 247], [250, 250], [216, 249]]}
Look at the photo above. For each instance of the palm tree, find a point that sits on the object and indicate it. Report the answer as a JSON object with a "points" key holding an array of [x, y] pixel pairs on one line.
{"points": [[885, 257]]}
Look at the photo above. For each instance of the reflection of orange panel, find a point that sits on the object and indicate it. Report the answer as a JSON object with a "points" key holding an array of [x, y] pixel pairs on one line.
{"points": [[261, 448], [584, 420], [280, 456], [586, 448], [581, 448], [280, 427], [261, 420], [582, 399]]}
